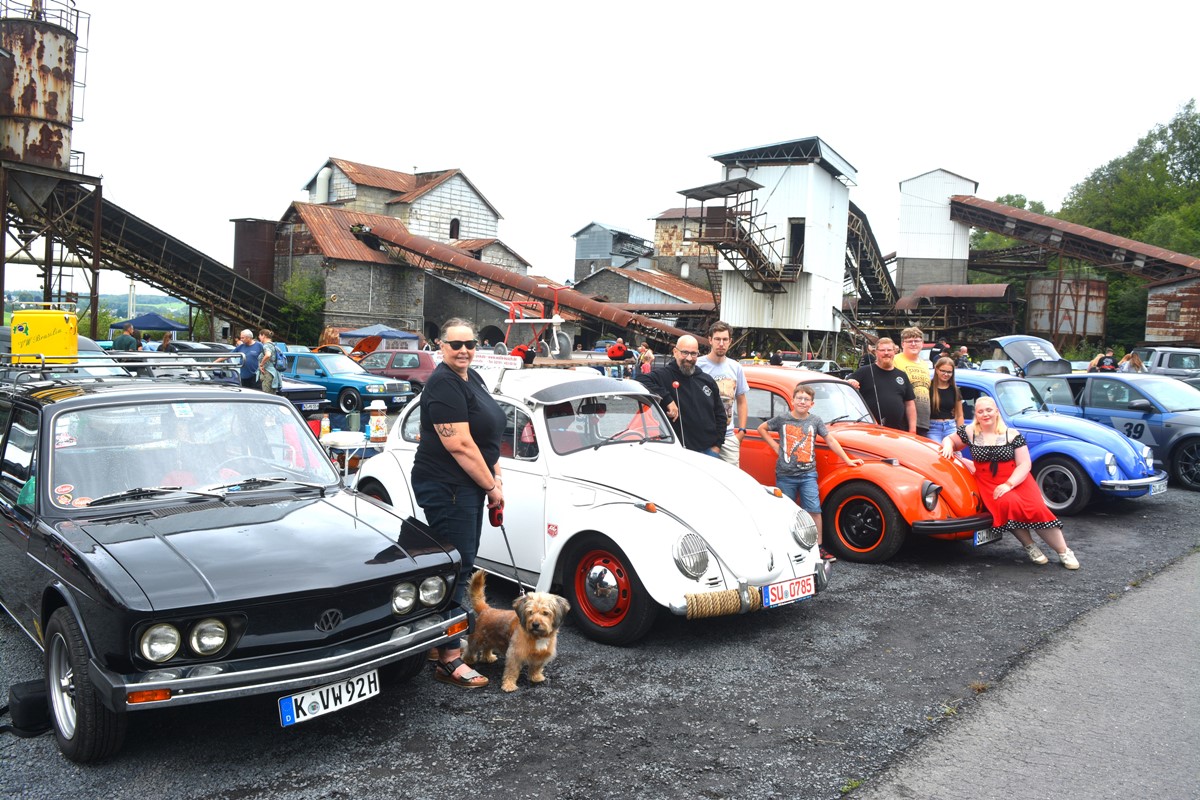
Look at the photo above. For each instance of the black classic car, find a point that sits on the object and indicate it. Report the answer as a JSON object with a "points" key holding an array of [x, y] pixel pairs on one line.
{"points": [[167, 543]]}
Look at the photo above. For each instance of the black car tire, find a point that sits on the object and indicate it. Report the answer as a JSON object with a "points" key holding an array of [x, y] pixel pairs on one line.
{"points": [[862, 523], [1065, 486], [634, 612], [349, 400], [1185, 464], [85, 729], [406, 669], [372, 488]]}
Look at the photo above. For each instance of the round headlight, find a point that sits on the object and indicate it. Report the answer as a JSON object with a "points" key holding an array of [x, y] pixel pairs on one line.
{"points": [[403, 598], [929, 495], [691, 555], [804, 530], [1148, 457], [433, 591], [208, 636], [160, 643], [1110, 464]]}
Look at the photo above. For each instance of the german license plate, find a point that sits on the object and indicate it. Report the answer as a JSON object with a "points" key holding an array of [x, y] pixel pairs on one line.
{"points": [[1158, 488], [312, 703], [309, 406], [987, 536], [397, 399], [784, 592]]}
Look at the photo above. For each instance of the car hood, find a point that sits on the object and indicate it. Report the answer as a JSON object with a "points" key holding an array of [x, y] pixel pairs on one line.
{"points": [[867, 440], [719, 501], [1034, 355], [1068, 427], [214, 552]]}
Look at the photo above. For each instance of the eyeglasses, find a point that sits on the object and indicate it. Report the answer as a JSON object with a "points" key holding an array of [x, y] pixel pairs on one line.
{"points": [[688, 353], [454, 345], [945, 372]]}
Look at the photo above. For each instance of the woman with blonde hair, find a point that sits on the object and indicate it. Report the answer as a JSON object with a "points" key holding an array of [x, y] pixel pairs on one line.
{"points": [[1001, 465], [1132, 362], [945, 401]]}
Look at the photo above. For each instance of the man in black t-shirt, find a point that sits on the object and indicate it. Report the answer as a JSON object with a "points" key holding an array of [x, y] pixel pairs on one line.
{"points": [[1107, 362], [887, 390]]}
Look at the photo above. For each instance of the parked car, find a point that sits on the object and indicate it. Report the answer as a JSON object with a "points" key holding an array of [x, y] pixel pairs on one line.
{"points": [[344, 349], [1179, 362], [172, 543], [826, 366], [905, 487], [1156, 410], [606, 505], [1000, 365], [346, 382], [414, 366], [1074, 460]]}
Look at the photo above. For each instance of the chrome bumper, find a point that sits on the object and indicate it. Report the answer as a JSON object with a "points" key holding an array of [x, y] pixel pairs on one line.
{"points": [[742, 600], [1136, 483]]}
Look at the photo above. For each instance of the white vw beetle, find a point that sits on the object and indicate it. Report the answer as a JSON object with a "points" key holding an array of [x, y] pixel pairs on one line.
{"points": [[604, 503]]}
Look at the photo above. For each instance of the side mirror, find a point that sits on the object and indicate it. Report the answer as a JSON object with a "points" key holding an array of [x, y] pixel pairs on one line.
{"points": [[1142, 405]]}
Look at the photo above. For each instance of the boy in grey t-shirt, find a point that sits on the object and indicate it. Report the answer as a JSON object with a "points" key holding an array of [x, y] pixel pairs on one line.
{"points": [[796, 463]]}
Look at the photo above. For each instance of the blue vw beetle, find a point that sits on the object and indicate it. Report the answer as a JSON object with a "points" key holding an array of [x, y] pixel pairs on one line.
{"points": [[1073, 459]]}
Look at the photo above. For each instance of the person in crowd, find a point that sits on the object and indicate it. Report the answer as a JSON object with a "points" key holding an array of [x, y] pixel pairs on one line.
{"points": [[647, 362], [912, 340], [166, 345], [964, 358], [457, 468], [945, 401], [251, 352], [268, 376], [1107, 362], [795, 454], [617, 351], [1132, 362], [887, 390], [692, 399], [941, 348], [731, 382], [776, 359], [1001, 465], [147, 345], [126, 342]]}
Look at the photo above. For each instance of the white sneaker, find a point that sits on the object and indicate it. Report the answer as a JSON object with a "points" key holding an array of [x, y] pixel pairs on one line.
{"points": [[1068, 559], [1036, 555]]}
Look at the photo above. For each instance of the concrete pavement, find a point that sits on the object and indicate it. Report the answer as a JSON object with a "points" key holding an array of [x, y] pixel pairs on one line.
{"points": [[1111, 709]]}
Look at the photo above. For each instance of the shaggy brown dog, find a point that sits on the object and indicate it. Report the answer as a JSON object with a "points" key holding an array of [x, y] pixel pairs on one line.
{"points": [[527, 636]]}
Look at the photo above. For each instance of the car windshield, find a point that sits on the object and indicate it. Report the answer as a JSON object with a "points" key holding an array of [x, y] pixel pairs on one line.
{"points": [[592, 421], [188, 446], [337, 364], [1017, 397], [838, 402], [1173, 395]]}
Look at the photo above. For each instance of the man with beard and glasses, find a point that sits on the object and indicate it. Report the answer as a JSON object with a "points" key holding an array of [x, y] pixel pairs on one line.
{"points": [[691, 398], [886, 390], [731, 381]]}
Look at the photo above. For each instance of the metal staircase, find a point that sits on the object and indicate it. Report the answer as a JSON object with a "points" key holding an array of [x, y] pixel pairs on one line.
{"points": [[867, 273]]}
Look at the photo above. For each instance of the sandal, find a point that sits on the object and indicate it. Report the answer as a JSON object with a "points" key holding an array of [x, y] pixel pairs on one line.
{"points": [[443, 671]]}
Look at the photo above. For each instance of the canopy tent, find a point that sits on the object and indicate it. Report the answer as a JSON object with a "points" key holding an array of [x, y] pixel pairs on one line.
{"points": [[149, 322], [382, 331]]}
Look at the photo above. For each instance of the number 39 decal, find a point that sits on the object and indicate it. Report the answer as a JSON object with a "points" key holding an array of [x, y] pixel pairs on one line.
{"points": [[1134, 430]]}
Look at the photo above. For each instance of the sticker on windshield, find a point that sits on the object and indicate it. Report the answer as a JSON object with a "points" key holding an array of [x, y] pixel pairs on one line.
{"points": [[64, 499], [182, 410], [64, 488], [82, 502], [64, 439]]}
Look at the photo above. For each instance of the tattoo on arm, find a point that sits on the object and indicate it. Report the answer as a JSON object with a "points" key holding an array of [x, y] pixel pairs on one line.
{"points": [[445, 431]]}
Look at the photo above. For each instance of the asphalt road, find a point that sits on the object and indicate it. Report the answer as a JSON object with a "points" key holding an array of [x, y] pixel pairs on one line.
{"points": [[807, 701]]}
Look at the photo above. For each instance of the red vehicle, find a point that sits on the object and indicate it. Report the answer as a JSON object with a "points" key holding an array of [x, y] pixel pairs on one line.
{"points": [[414, 366], [904, 487]]}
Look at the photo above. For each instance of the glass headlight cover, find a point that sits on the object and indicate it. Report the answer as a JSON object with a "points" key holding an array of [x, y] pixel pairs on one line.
{"points": [[404, 597], [1148, 457], [208, 636], [433, 591], [804, 531], [691, 555], [1110, 464], [375, 388], [160, 642], [929, 495]]}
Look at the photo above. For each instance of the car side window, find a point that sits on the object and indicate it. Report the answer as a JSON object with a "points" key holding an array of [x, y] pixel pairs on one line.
{"points": [[375, 361], [519, 440], [405, 361], [1111, 394], [305, 365], [762, 404], [969, 396], [17, 465]]}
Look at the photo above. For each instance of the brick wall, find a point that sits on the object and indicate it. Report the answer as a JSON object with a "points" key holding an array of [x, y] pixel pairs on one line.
{"points": [[613, 287]]}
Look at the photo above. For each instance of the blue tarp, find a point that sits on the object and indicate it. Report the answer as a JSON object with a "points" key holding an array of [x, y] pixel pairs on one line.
{"points": [[149, 322], [382, 331]]}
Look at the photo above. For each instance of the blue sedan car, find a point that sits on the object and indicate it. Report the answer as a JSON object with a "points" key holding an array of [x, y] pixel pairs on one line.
{"points": [[1074, 460], [346, 383]]}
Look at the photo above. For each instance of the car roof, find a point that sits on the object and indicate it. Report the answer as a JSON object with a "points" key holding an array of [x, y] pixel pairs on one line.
{"points": [[786, 379], [545, 385]]}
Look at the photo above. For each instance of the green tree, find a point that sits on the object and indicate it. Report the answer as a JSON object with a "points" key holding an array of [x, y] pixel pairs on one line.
{"points": [[305, 294]]}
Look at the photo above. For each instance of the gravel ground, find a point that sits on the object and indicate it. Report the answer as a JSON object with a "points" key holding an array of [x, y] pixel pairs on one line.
{"points": [[806, 701]]}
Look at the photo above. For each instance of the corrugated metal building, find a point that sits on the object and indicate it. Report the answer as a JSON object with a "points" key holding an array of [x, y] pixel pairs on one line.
{"points": [[1173, 310], [932, 248], [598, 246]]}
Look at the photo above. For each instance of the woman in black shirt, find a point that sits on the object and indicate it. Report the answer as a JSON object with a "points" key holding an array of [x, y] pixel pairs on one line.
{"points": [[945, 401]]}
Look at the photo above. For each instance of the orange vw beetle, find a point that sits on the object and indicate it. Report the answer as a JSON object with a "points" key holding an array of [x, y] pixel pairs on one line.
{"points": [[903, 487]]}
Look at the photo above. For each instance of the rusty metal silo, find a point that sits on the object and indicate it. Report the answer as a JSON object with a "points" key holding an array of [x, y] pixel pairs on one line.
{"points": [[254, 251], [1066, 310]]}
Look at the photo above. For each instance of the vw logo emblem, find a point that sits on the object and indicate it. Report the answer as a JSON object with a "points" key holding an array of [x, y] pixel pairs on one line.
{"points": [[329, 620]]}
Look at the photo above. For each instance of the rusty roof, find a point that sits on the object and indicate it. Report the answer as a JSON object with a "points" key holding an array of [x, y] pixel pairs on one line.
{"points": [[979, 292], [469, 246], [330, 228], [680, 213], [668, 284], [366, 175], [426, 182]]}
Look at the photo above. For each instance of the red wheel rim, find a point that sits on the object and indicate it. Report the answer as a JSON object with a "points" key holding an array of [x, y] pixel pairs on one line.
{"points": [[615, 568]]}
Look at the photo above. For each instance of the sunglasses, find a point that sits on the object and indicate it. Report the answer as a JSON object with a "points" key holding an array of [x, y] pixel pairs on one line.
{"points": [[469, 344]]}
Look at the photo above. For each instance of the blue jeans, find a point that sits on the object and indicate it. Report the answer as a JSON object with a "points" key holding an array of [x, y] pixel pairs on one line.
{"points": [[804, 486], [941, 428], [455, 515]]}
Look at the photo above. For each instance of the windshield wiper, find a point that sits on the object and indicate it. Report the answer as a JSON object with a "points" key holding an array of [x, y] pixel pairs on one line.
{"points": [[251, 483], [146, 491], [842, 417]]}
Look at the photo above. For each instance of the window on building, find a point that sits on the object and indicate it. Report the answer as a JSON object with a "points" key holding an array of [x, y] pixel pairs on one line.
{"points": [[684, 269], [1173, 309], [454, 228]]}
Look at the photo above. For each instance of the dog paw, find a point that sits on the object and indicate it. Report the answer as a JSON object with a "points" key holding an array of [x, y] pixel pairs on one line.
{"points": [[537, 678], [492, 658], [509, 686]]}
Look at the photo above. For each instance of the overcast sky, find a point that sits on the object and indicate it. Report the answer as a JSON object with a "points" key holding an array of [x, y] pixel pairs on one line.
{"points": [[567, 113]]}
